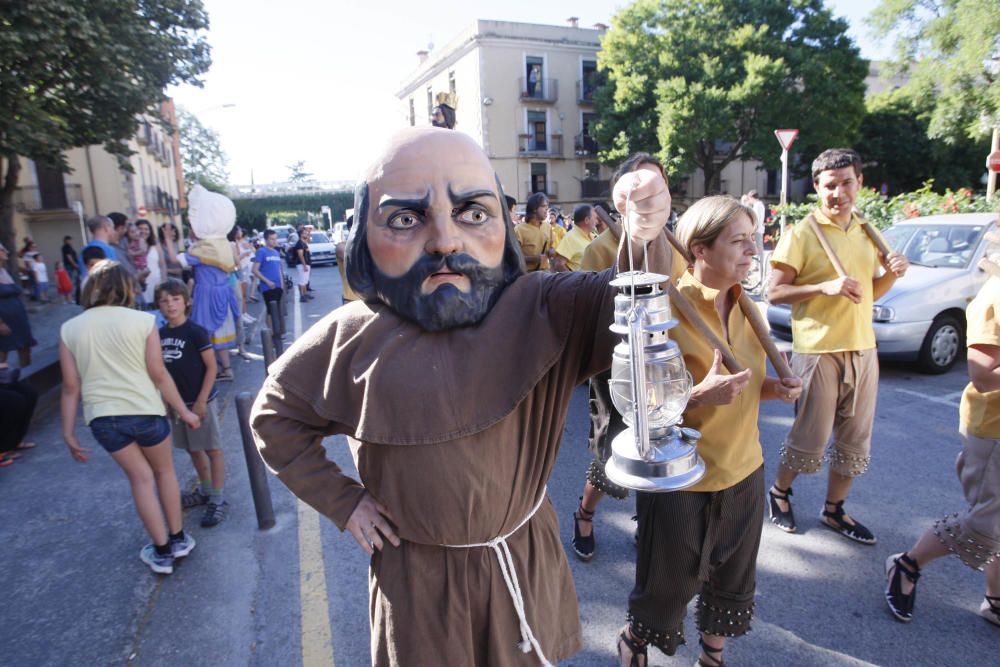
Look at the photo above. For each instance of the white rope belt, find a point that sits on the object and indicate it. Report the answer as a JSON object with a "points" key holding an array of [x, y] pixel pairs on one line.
{"points": [[506, 560]]}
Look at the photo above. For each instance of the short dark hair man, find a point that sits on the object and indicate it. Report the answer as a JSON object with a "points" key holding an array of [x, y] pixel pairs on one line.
{"points": [[467, 566], [834, 343], [569, 252]]}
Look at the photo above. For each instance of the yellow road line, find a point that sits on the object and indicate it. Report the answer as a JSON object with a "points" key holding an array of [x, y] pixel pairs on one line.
{"points": [[317, 644]]}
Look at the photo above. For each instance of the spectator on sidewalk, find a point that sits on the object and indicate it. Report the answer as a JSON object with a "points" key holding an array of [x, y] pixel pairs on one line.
{"points": [[18, 400], [266, 267], [102, 232], [91, 255], [64, 284], [190, 360], [154, 260], [303, 264], [110, 356], [41, 274], [15, 330], [71, 263]]}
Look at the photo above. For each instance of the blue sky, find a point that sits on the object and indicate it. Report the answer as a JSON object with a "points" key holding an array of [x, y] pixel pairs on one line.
{"points": [[314, 81]]}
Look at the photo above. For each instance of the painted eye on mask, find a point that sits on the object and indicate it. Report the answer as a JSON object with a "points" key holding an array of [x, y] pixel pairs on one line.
{"points": [[403, 220], [473, 215]]}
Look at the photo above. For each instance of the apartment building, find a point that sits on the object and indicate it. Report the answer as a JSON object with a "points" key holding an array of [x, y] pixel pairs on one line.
{"points": [[525, 93], [49, 204]]}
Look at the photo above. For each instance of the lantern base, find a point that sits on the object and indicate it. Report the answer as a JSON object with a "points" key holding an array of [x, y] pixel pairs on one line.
{"points": [[673, 463]]}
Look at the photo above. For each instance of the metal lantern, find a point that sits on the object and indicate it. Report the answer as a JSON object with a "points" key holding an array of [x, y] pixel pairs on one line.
{"points": [[650, 387]]}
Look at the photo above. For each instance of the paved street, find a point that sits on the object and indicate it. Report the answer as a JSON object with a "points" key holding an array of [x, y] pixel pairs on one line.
{"points": [[75, 592]]}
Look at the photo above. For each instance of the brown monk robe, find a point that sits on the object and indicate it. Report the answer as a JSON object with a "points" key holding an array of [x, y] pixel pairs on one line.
{"points": [[459, 421]]}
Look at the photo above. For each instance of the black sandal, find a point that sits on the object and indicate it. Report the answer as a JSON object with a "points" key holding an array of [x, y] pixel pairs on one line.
{"points": [[990, 609], [583, 546], [855, 531], [711, 653], [638, 649], [780, 518], [900, 603]]}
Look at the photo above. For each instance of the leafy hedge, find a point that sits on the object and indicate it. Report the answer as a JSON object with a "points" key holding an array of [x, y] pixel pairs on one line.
{"points": [[260, 212]]}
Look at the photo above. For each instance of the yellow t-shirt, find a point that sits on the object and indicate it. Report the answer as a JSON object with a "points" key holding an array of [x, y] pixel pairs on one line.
{"points": [[558, 234], [600, 254], [572, 246], [980, 413], [830, 323], [109, 346], [730, 442], [535, 240]]}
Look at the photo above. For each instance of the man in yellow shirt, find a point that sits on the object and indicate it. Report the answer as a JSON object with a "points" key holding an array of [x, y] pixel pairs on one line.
{"points": [[834, 343], [974, 534], [535, 233], [569, 252]]}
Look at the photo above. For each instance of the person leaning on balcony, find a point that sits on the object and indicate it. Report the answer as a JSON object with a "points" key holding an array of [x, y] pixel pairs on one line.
{"points": [[535, 233], [569, 252], [834, 343]]}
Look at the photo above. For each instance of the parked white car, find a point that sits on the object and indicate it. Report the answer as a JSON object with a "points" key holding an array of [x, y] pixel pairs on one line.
{"points": [[321, 249], [922, 317]]}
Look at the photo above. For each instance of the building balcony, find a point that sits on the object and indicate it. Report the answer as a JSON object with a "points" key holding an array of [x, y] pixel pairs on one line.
{"points": [[31, 198], [585, 92], [551, 189], [542, 91], [595, 188], [584, 145], [552, 146]]}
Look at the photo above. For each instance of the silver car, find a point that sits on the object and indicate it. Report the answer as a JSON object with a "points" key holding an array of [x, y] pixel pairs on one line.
{"points": [[922, 317], [321, 249]]}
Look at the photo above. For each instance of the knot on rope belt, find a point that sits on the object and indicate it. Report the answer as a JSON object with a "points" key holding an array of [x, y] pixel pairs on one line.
{"points": [[506, 560]]}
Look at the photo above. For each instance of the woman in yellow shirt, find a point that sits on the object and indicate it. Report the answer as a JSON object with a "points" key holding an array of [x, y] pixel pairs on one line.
{"points": [[110, 357], [704, 540]]}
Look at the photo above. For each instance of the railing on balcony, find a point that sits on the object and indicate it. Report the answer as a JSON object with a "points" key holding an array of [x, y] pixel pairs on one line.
{"points": [[550, 188], [552, 145], [584, 145], [31, 198], [542, 90], [595, 188], [585, 91]]}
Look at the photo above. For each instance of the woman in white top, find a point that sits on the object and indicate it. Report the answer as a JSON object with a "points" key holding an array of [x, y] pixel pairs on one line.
{"points": [[155, 260], [110, 356]]}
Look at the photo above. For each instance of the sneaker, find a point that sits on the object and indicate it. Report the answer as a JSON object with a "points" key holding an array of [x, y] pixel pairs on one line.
{"points": [[990, 609], [156, 562], [181, 548], [214, 514], [194, 498], [248, 318]]}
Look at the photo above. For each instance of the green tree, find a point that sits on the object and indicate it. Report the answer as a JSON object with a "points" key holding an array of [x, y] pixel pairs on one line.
{"points": [[897, 150], [702, 84], [80, 73], [950, 52], [297, 172], [202, 157]]}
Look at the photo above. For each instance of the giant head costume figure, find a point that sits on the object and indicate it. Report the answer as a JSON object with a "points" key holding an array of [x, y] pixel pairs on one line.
{"points": [[212, 216], [433, 239]]}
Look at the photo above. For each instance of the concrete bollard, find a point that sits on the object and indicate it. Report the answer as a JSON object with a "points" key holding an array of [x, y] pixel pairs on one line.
{"points": [[277, 321], [268, 346], [256, 471]]}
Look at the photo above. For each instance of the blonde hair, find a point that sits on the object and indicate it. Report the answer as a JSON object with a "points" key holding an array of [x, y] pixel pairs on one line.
{"points": [[109, 284], [707, 218]]}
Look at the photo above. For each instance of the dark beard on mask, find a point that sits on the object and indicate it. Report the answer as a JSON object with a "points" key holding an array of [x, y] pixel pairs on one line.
{"points": [[446, 307]]}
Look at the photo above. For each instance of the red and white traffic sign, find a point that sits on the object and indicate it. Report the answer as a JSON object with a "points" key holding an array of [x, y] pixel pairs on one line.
{"points": [[786, 138], [142, 211], [993, 161]]}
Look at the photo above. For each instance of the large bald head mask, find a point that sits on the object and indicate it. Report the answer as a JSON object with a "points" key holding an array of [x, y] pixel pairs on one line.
{"points": [[433, 240]]}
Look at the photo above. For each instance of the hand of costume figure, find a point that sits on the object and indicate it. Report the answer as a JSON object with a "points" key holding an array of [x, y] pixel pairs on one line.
{"points": [[76, 450], [789, 389], [369, 523], [190, 418], [718, 387], [898, 263], [847, 286], [648, 202]]}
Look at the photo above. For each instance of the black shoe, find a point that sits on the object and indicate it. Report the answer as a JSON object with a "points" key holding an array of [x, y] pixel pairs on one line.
{"points": [[835, 521], [583, 546], [781, 519], [898, 566]]}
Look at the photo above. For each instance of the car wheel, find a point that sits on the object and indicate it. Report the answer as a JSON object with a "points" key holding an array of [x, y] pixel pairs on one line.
{"points": [[942, 345]]}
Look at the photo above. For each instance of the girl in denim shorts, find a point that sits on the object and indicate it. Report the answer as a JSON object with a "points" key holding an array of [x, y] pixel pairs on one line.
{"points": [[110, 357]]}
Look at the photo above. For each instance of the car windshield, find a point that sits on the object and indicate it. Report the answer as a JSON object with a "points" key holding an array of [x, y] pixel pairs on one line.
{"points": [[318, 237], [282, 234], [936, 245]]}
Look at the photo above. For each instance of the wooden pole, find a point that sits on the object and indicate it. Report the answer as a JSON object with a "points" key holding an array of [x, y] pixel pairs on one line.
{"points": [[827, 248], [991, 178]]}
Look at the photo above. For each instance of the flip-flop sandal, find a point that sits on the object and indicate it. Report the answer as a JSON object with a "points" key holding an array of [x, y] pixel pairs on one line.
{"points": [[10, 456], [4, 462], [27, 445]]}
